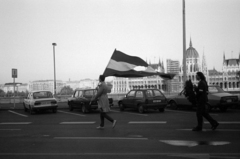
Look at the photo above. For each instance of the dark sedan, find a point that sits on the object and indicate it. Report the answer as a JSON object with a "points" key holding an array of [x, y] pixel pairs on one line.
{"points": [[81, 100], [217, 98], [143, 99]]}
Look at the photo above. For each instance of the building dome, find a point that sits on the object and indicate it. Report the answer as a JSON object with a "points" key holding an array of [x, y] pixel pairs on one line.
{"points": [[191, 52]]}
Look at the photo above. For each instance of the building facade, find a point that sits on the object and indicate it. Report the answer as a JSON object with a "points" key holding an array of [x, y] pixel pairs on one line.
{"points": [[47, 85], [227, 78], [193, 65], [173, 67]]}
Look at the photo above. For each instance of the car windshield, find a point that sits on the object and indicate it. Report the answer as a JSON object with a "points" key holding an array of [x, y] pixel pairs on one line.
{"points": [[42, 94], [215, 89]]}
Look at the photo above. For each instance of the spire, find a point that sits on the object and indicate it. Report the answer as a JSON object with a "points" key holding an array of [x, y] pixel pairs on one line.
{"points": [[204, 63], [190, 42], [223, 57]]}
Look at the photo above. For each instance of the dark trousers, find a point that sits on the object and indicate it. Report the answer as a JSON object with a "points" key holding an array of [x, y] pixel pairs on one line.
{"points": [[202, 112], [104, 115]]}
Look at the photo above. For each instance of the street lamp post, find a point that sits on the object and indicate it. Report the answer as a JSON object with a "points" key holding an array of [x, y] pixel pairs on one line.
{"points": [[54, 44], [184, 45]]}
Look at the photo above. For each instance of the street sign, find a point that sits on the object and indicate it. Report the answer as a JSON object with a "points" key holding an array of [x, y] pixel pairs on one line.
{"points": [[14, 73]]}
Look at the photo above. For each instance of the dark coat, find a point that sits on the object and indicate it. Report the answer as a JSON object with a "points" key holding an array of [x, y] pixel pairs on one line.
{"points": [[202, 92], [103, 97]]}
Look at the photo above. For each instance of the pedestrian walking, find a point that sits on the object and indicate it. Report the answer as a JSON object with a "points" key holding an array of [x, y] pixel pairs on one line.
{"points": [[103, 102], [202, 99]]}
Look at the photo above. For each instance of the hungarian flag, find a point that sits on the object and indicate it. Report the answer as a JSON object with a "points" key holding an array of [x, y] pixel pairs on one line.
{"points": [[123, 65]]}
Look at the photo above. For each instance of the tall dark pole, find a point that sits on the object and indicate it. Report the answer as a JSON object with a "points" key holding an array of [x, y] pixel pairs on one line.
{"points": [[54, 44], [184, 45]]}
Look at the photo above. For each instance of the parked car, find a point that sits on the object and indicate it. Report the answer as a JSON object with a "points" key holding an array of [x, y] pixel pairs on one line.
{"points": [[81, 100], [143, 99], [217, 98], [40, 100]]}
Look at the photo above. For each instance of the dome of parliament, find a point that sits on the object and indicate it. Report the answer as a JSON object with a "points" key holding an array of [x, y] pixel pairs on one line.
{"points": [[191, 52]]}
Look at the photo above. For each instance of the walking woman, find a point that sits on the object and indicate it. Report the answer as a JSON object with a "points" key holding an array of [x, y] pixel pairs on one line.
{"points": [[202, 99], [103, 103]]}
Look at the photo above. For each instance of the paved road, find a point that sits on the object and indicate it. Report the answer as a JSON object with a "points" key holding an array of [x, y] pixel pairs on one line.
{"points": [[151, 135]]}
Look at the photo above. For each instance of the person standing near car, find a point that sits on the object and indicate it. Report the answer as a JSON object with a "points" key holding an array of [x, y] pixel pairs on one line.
{"points": [[103, 102], [202, 99]]}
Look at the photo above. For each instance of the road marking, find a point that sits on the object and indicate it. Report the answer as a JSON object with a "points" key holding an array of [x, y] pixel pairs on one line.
{"points": [[15, 123], [81, 122], [100, 138], [10, 129], [178, 111], [17, 113], [70, 113], [129, 113], [225, 122], [210, 130], [147, 122], [194, 143]]}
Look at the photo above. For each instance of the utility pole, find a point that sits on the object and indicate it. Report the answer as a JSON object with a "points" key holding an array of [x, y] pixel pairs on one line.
{"points": [[54, 44], [184, 45]]}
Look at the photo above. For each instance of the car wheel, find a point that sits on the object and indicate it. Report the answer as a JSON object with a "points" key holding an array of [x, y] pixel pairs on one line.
{"points": [[70, 107], [173, 105], [84, 109], [121, 106], [161, 109], [140, 109]]}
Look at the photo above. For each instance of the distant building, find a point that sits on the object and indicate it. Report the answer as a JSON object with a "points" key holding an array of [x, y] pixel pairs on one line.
{"points": [[47, 85], [88, 83], [84, 83], [173, 67], [9, 87], [73, 84], [193, 65], [227, 78], [23, 87]]}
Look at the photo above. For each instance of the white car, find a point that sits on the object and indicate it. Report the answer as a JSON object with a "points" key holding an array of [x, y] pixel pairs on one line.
{"points": [[39, 100]]}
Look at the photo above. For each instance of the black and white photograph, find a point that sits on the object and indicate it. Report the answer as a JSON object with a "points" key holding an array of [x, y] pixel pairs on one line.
{"points": [[114, 79]]}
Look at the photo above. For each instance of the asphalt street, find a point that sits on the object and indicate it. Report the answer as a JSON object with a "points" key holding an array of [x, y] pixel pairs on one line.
{"points": [[153, 134]]}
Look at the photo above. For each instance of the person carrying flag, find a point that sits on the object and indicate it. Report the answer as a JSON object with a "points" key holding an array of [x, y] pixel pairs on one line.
{"points": [[103, 102]]}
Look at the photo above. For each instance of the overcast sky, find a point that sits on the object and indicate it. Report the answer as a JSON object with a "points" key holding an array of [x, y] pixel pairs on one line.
{"points": [[88, 31]]}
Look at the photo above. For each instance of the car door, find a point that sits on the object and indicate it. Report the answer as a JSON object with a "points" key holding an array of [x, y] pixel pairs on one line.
{"points": [[139, 98], [182, 100], [88, 95], [149, 96], [130, 97], [75, 98], [27, 100], [159, 98]]}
